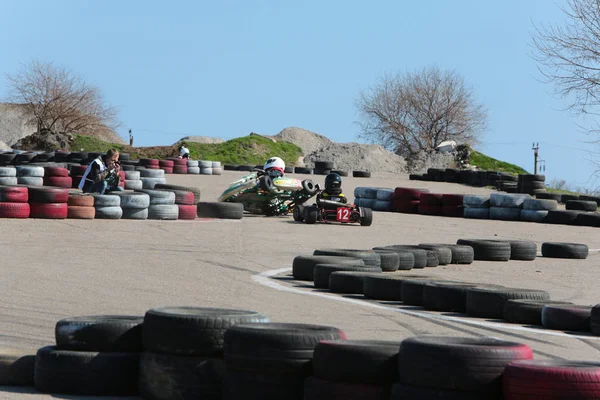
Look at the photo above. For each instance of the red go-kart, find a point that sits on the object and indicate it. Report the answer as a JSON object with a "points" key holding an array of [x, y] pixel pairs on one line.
{"points": [[333, 211]]}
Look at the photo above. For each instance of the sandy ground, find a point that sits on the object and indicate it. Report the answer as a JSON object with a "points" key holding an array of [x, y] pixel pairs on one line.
{"points": [[56, 269]]}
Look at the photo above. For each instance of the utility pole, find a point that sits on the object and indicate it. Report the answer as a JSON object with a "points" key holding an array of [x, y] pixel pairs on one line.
{"points": [[542, 165], [535, 147]]}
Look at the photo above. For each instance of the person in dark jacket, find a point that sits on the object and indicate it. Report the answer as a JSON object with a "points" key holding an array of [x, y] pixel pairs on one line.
{"points": [[102, 174], [332, 191]]}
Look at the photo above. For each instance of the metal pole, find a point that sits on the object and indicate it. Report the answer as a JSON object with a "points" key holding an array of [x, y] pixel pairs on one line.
{"points": [[535, 147]]}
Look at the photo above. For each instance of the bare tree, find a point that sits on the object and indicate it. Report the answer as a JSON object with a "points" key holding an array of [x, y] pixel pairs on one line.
{"points": [[414, 112], [59, 100]]}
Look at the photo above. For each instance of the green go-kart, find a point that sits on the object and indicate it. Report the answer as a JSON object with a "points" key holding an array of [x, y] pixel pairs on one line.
{"points": [[261, 194]]}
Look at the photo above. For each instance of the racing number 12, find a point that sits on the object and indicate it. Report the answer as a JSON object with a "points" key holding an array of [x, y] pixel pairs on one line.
{"points": [[343, 214]]}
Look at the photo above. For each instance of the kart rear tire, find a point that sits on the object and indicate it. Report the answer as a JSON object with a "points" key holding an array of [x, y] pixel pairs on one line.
{"points": [[311, 214], [366, 216], [299, 213], [309, 186]]}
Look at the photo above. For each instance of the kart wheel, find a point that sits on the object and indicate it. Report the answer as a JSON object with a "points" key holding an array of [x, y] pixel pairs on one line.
{"points": [[366, 216], [311, 214], [309, 186], [299, 213], [265, 182]]}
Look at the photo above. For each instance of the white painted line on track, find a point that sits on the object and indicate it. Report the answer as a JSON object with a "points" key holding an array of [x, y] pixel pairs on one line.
{"points": [[265, 279]]}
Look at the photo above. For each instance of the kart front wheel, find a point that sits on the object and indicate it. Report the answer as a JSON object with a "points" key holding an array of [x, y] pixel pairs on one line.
{"points": [[299, 213], [265, 182], [366, 216], [309, 187], [311, 215]]}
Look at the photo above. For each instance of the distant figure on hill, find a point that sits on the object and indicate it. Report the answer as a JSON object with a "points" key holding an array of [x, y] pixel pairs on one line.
{"points": [[184, 152]]}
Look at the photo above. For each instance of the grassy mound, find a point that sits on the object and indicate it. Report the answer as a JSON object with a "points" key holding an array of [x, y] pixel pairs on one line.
{"points": [[491, 164]]}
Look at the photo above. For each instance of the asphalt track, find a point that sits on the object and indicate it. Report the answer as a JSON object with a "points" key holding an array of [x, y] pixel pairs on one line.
{"points": [[56, 269]]}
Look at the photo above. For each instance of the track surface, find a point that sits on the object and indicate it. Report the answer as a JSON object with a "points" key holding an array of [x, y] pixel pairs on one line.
{"points": [[56, 269]]}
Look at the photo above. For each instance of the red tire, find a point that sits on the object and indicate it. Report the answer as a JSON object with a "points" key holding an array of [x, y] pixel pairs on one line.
{"points": [[122, 175], [187, 211], [409, 193], [166, 163], [78, 170], [80, 200], [45, 194], [55, 171], [179, 161], [14, 210], [79, 212], [14, 194], [551, 379], [434, 199], [168, 170], [180, 169], [452, 199], [152, 167], [49, 210], [58, 181], [430, 209], [406, 206], [149, 161], [453, 211]]}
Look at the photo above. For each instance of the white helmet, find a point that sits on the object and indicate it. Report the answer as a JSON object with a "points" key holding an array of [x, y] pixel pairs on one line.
{"points": [[275, 163]]}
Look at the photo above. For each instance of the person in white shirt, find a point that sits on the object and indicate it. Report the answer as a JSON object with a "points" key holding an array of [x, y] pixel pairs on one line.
{"points": [[184, 152]]}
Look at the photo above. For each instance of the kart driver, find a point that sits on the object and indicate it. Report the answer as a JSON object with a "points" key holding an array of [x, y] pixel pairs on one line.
{"points": [[274, 167], [332, 191]]}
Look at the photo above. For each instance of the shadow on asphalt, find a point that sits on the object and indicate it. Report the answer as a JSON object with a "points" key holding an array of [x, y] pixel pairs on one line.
{"points": [[31, 390]]}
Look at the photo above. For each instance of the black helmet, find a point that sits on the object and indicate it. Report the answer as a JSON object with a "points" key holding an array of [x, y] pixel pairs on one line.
{"points": [[333, 181]]}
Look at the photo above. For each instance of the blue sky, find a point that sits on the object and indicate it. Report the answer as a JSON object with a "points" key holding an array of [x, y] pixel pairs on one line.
{"points": [[228, 68]]}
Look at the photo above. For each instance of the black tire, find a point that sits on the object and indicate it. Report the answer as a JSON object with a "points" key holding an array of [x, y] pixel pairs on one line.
{"points": [[108, 333], [361, 174], [566, 317], [526, 311], [348, 282], [561, 217], [16, 367], [488, 250], [324, 165], [298, 213], [390, 260], [303, 266], [420, 255], [384, 287], [595, 199], [432, 258], [192, 189], [340, 172], [565, 250], [588, 219], [595, 320], [444, 253], [489, 302], [303, 170], [412, 290], [167, 376], [406, 260], [321, 389], [323, 271], [581, 205], [464, 364], [447, 296], [192, 331], [566, 197], [309, 187], [524, 250], [220, 210], [357, 361], [461, 254], [265, 183], [549, 196], [408, 392], [366, 216], [369, 257], [311, 215], [86, 373]]}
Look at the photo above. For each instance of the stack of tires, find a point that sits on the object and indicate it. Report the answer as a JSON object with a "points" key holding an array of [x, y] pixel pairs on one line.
{"points": [[507, 207], [30, 175], [365, 196], [95, 355], [507, 183], [407, 200], [206, 167], [58, 177], [581, 205], [452, 205], [8, 176], [218, 170], [430, 204], [180, 165], [108, 206], [193, 167], [132, 180], [476, 207], [383, 200], [536, 210], [14, 202], [185, 203], [166, 165], [531, 184], [48, 202], [150, 177], [183, 354], [134, 205], [80, 206], [162, 205], [149, 163], [76, 172], [300, 170], [323, 167]]}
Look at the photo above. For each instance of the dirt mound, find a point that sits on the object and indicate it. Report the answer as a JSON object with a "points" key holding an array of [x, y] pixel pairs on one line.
{"points": [[200, 139], [44, 141], [355, 156], [308, 141]]}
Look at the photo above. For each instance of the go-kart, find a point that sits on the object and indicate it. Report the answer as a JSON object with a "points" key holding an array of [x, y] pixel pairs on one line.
{"points": [[261, 194], [333, 211]]}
